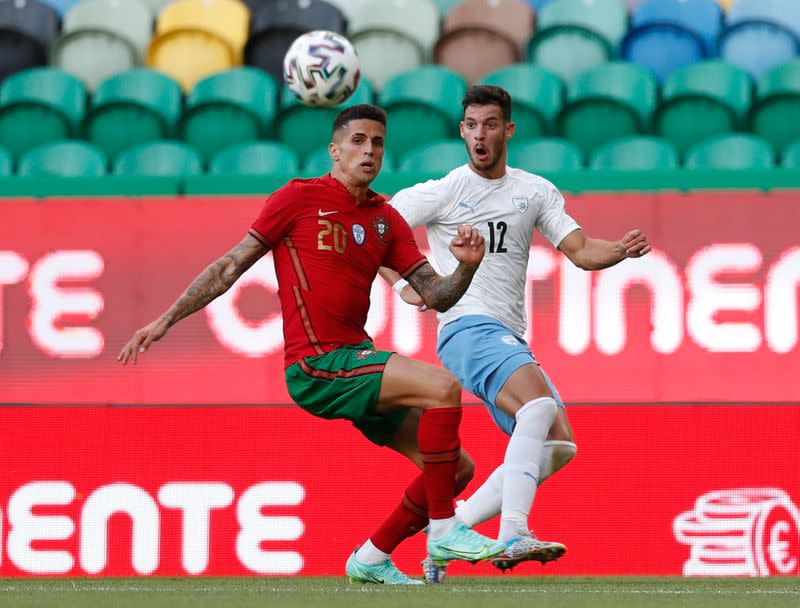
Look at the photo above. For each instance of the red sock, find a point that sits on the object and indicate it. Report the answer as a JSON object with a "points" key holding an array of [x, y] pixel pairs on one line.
{"points": [[440, 446]]}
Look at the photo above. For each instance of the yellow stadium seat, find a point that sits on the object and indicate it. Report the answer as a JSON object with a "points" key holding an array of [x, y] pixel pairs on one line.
{"points": [[196, 38]]}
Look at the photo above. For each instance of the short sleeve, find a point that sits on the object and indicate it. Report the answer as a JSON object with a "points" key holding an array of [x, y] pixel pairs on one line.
{"points": [[276, 218], [403, 256], [420, 204], [553, 221]]}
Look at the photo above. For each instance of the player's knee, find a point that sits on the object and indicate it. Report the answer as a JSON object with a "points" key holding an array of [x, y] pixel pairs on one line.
{"points": [[561, 452], [446, 391]]}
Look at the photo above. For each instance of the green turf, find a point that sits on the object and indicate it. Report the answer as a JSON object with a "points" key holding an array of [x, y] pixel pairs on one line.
{"points": [[459, 592]]}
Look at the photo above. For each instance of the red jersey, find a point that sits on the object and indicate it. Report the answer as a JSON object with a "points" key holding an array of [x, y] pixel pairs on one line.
{"points": [[327, 252]]}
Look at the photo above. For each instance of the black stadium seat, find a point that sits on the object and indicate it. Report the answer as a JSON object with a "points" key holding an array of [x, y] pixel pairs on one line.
{"points": [[27, 29]]}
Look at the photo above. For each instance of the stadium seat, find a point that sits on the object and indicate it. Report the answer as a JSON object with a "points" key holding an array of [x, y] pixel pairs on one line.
{"points": [[38, 106], [197, 38], [479, 36], [702, 100], [666, 35], [165, 158], [27, 29], [536, 97], [545, 154], [761, 34], [422, 105], [445, 5], [6, 162], [351, 7], [305, 129], [62, 6], [640, 153], [275, 25], [735, 151], [436, 157], [231, 107], [132, 108], [319, 162], [156, 6], [101, 38], [775, 113], [64, 159], [576, 35], [393, 37], [791, 156], [254, 158], [613, 101]]}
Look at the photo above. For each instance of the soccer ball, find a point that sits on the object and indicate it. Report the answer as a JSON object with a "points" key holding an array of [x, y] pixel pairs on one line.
{"points": [[321, 68]]}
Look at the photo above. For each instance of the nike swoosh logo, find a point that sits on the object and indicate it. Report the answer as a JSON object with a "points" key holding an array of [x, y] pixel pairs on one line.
{"points": [[321, 212]]}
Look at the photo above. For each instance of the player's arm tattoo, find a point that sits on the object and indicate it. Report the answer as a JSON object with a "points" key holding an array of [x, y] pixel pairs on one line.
{"points": [[216, 279], [438, 292]]}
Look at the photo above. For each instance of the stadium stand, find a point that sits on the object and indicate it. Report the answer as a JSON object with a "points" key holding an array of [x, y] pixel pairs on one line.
{"points": [[39, 106], [131, 108], [393, 37], [774, 115], [163, 158], [479, 36], [64, 159], [738, 151], [545, 154], [641, 153], [702, 100], [231, 107], [275, 25], [536, 96], [435, 157], [791, 156], [254, 158], [6, 163], [573, 36], [27, 30]]}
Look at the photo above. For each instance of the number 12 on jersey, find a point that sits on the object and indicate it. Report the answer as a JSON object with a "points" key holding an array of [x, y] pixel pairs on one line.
{"points": [[496, 235]]}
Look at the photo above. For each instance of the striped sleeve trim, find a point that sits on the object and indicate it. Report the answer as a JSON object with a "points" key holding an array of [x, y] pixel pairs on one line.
{"points": [[260, 237], [415, 266]]}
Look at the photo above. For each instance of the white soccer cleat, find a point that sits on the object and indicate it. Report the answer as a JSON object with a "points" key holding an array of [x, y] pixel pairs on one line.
{"points": [[527, 548], [433, 572]]}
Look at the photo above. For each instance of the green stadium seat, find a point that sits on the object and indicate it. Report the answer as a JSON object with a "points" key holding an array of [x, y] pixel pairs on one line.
{"points": [[319, 162], [167, 158], [305, 129], [38, 106], [423, 105], [437, 157], [6, 162], [702, 100], [132, 108], [545, 154], [613, 101], [775, 113], [63, 159], [636, 154], [227, 108], [739, 151], [537, 97], [254, 158], [791, 156], [577, 35]]}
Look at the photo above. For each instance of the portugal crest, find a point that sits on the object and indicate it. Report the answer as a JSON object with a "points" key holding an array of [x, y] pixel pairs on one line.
{"points": [[520, 202], [359, 233], [381, 228]]}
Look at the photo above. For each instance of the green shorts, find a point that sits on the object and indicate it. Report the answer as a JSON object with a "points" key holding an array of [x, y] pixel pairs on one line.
{"points": [[346, 383]]}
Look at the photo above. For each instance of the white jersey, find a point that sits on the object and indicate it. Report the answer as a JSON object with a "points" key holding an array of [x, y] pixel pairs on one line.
{"points": [[505, 211]]}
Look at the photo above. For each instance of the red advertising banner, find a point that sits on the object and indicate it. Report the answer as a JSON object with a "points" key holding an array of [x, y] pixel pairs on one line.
{"points": [[710, 315], [137, 491]]}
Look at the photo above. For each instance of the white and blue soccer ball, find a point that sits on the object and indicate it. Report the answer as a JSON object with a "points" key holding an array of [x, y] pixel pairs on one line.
{"points": [[321, 68]]}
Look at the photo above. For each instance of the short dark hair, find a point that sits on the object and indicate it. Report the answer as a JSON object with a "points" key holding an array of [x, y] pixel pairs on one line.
{"points": [[488, 95], [359, 111]]}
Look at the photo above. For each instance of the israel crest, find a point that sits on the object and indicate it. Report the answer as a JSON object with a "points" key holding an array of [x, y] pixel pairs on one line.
{"points": [[381, 227], [359, 233], [520, 202]]}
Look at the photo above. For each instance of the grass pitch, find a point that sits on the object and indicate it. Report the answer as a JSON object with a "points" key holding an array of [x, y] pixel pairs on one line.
{"points": [[461, 592]]}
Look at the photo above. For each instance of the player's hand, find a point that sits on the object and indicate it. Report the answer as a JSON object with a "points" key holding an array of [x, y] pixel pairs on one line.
{"points": [[410, 296], [634, 244], [142, 340], [468, 246]]}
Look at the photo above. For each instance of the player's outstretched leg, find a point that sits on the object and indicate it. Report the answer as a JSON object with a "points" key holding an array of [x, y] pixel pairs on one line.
{"points": [[383, 573], [527, 548]]}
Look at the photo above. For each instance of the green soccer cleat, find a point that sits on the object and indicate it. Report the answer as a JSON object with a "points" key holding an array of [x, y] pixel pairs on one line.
{"points": [[463, 543], [384, 573]]}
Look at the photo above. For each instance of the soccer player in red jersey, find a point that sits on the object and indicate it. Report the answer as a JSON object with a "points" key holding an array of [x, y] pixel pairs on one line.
{"points": [[329, 236]]}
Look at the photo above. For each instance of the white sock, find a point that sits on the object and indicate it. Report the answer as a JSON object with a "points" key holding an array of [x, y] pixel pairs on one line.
{"points": [[484, 503], [555, 454], [521, 465], [440, 527], [370, 554]]}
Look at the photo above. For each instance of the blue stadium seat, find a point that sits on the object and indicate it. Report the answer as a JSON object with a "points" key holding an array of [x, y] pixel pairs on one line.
{"points": [[668, 34], [761, 34]]}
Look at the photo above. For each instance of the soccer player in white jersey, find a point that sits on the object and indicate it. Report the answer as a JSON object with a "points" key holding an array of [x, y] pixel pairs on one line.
{"points": [[480, 338]]}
